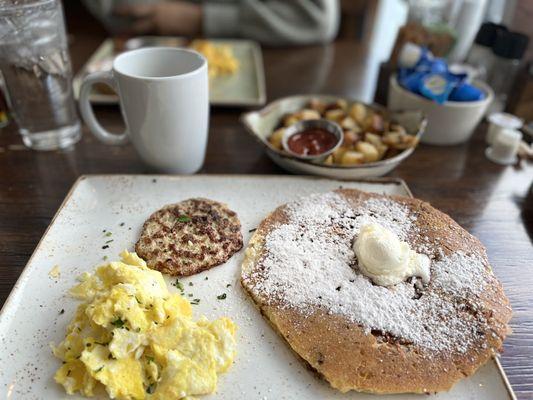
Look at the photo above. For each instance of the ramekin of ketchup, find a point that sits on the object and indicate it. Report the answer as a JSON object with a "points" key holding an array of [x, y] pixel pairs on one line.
{"points": [[312, 139]]}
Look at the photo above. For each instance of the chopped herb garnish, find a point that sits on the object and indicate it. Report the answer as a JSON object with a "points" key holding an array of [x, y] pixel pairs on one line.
{"points": [[110, 357], [88, 344], [179, 285], [184, 218], [252, 230], [108, 234], [99, 369], [122, 224], [150, 359], [206, 278], [138, 301], [109, 241], [221, 296], [228, 285], [154, 180], [191, 284], [151, 388], [101, 343], [118, 323], [68, 372], [195, 302], [190, 295], [105, 247], [104, 258], [62, 311]]}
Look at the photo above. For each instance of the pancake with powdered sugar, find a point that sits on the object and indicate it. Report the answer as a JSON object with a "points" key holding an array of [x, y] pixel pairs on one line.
{"points": [[302, 273]]}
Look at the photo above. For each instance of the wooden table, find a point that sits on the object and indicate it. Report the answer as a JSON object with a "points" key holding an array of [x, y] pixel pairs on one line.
{"points": [[494, 203]]}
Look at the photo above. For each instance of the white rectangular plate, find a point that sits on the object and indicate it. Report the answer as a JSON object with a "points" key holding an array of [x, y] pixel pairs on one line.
{"points": [[244, 88], [264, 368]]}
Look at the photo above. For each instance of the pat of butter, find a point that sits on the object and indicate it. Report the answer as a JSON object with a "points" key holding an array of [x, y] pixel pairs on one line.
{"points": [[385, 259]]}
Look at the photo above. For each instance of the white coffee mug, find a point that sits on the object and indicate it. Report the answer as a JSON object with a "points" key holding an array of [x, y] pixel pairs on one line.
{"points": [[164, 100]]}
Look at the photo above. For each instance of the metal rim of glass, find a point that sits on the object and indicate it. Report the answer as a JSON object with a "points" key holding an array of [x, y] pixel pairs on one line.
{"points": [[25, 4]]}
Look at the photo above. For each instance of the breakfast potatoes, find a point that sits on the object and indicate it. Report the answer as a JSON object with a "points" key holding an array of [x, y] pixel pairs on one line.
{"points": [[368, 135]]}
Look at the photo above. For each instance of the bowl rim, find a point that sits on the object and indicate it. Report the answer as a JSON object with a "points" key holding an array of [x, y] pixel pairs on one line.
{"points": [[393, 160], [296, 128], [449, 104]]}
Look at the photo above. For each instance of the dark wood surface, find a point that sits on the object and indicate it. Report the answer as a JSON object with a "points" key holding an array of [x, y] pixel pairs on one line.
{"points": [[493, 202]]}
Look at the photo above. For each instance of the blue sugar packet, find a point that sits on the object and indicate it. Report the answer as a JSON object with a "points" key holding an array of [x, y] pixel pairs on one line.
{"points": [[411, 81], [466, 92], [423, 74], [436, 87]]}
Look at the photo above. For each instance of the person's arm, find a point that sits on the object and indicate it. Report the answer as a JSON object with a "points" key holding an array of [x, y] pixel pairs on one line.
{"points": [[273, 22]]}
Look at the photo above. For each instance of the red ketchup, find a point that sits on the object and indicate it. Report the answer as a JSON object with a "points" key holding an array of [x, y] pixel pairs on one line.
{"points": [[312, 142]]}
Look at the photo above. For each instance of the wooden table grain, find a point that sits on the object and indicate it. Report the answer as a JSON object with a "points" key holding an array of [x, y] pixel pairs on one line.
{"points": [[493, 202]]}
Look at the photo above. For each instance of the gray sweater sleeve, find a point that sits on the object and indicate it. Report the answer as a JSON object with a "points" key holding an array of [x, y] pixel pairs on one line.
{"points": [[273, 22]]}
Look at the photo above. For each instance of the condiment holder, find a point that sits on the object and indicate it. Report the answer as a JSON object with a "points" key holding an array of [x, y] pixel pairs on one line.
{"points": [[307, 125], [504, 147]]}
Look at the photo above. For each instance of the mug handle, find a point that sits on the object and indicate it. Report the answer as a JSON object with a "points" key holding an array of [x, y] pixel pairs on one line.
{"points": [[105, 77]]}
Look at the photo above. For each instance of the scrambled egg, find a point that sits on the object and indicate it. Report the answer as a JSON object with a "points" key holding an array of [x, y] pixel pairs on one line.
{"points": [[138, 340], [220, 58]]}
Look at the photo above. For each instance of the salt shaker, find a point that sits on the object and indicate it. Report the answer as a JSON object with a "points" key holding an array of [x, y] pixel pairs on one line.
{"points": [[504, 147], [500, 121]]}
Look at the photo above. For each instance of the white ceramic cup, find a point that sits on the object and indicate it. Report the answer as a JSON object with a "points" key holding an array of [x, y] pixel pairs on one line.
{"points": [[165, 103]]}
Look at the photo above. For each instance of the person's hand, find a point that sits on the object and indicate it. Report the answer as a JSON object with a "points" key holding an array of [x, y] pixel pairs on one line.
{"points": [[165, 18]]}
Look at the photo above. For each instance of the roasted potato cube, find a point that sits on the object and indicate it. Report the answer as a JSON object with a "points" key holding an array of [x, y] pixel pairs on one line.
{"points": [[373, 138], [397, 128], [350, 137], [342, 104], [328, 160], [307, 114], [348, 123], [317, 105], [301, 115], [391, 138], [382, 150], [369, 151], [406, 142], [373, 123], [352, 157], [290, 120], [334, 115], [358, 112], [275, 138], [338, 153]]}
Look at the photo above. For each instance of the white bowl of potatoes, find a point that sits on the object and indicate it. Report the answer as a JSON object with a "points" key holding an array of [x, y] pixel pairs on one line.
{"points": [[375, 141]]}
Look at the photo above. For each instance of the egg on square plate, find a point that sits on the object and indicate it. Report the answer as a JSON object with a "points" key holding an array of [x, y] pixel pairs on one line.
{"points": [[138, 340]]}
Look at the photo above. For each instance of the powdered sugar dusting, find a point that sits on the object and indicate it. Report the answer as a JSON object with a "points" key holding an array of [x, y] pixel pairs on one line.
{"points": [[309, 263]]}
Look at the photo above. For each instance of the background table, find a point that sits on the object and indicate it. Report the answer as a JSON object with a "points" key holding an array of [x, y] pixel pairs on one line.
{"points": [[494, 203]]}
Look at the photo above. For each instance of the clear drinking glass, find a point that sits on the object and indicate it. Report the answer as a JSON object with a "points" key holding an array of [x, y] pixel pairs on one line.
{"points": [[35, 64]]}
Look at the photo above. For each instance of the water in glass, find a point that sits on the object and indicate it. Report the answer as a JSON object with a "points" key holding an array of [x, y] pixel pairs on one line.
{"points": [[35, 64]]}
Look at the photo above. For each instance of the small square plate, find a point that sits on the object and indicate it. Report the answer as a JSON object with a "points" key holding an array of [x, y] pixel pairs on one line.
{"points": [[244, 88]]}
